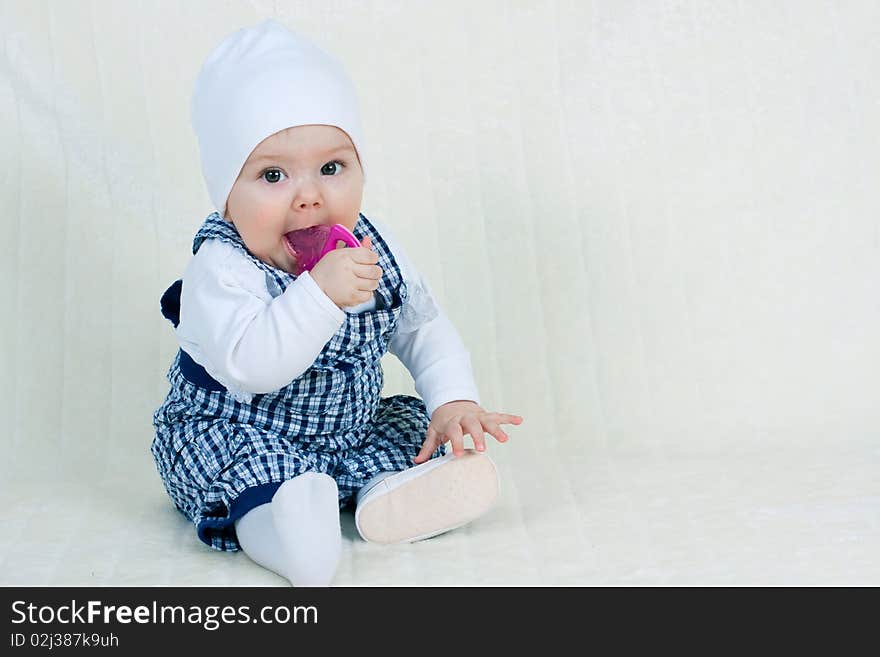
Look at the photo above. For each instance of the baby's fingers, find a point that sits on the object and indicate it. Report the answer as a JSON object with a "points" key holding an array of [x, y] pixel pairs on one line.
{"points": [[493, 429], [472, 426], [492, 423], [456, 437], [502, 418], [432, 442], [365, 255]]}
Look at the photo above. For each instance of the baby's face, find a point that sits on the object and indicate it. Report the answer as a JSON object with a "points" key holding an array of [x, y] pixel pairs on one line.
{"points": [[296, 178]]}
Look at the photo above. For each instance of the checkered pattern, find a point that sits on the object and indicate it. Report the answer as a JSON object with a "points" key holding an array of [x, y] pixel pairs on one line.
{"points": [[210, 448]]}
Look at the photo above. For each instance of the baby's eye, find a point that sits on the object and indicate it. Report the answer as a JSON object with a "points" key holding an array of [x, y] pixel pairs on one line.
{"points": [[332, 168], [272, 172]]}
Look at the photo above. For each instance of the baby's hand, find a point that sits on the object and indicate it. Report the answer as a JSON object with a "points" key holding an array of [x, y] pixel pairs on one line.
{"points": [[452, 420], [348, 276]]}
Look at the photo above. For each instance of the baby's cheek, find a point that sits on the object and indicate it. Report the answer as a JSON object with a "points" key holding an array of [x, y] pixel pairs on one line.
{"points": [[350, 222]]}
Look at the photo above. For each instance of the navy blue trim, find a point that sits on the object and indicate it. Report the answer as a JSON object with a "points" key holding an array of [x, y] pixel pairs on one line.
{"points": [[248, 499], [191, 370], [197, 375], [170, 302]]}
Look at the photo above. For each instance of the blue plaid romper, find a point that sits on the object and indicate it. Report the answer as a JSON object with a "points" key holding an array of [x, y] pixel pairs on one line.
{"points": [[219, 457]]}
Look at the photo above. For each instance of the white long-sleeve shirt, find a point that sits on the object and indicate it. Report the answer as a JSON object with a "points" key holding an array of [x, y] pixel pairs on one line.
{"points": [[253, 343]]}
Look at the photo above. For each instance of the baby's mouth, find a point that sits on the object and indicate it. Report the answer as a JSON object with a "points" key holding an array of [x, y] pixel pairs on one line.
{"points": [[305, 246]]}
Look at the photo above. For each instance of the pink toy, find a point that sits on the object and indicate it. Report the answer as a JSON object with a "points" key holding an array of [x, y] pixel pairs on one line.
{"points": [[312, 243]]}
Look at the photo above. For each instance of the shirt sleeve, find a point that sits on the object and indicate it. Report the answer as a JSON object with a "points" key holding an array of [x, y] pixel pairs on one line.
{"points": [[427, 343], [247, 340], [438, 362]]}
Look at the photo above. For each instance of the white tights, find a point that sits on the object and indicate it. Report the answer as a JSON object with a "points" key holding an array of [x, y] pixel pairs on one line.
{"points": [[297, 534]]}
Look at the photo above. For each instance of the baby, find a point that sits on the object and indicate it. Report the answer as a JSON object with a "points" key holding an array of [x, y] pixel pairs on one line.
{"points": [[274, 420]]}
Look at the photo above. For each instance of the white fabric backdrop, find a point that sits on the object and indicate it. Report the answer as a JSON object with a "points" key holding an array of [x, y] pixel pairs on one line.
{"points": [[655, 225]]}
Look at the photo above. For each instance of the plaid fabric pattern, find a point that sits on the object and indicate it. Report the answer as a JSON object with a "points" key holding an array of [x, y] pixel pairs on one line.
{"points": [[210, 448]]}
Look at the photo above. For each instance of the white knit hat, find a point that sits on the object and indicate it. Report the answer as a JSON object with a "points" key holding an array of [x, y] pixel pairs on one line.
{"points": [[258, 81]]}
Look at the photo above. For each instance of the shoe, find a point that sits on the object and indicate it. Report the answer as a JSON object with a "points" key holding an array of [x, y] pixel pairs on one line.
{"points": [[428, 499]]}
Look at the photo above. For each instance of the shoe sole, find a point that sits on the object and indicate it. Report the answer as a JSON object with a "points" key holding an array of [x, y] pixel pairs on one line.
{"points": [[454, 492]]}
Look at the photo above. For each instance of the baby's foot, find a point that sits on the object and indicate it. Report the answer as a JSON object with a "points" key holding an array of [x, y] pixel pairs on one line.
{"points": [[428, 499]]}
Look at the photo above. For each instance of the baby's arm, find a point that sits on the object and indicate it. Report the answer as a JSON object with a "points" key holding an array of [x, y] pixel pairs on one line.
{"points": [[244, 338], [433, 353], [440, 366], [435, 356], [437, 359]]}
